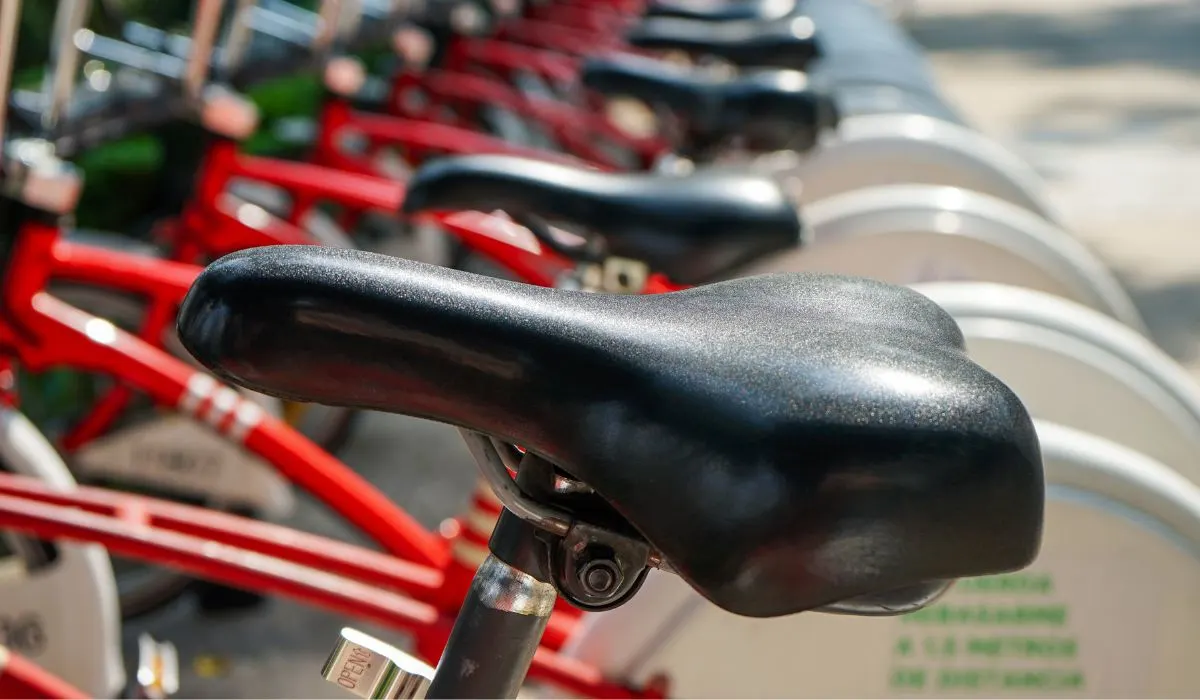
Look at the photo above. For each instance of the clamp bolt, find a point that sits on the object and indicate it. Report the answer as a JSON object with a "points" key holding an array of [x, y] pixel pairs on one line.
{"points": [[600, 577]]}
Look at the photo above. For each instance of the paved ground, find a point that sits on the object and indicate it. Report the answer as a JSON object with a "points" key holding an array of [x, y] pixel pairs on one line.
{"points": [[1103, 96]]}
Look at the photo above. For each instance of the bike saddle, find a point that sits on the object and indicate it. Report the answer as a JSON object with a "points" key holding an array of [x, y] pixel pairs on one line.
{"points": [[721, 10], [772, 109], [689, 228], [783, 441], [783, 43]]}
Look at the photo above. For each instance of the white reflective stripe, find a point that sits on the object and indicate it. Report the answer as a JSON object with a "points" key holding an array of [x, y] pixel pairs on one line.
{"points": [[481, 523], [485, 492], [224, 401], [3, 658], [468, 554], [245, 418], [199, 388]]}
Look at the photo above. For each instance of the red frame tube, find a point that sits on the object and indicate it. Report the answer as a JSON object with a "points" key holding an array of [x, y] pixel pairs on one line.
{"points": [[21, 678], [467, 54], [578, 131], [588, 18], [44, 332], [558, 37], [417, 140], [247, 553], [631, 8]]}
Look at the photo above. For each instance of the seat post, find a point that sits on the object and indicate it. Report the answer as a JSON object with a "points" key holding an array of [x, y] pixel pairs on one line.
{"points": [[502, 620]]}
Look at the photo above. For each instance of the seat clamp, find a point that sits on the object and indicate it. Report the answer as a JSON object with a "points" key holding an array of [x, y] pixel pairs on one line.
{"points": [[615, 276]]}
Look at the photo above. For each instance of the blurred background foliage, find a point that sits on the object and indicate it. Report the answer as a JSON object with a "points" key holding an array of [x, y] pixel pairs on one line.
{"points": [[121, 177]]}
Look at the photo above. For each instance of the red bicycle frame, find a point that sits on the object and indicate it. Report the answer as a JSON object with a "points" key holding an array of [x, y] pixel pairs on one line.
{"points": [[630, 8], [416, 140], [42, 332], [319, 571], [21, 678], [581, 133], [418, 585], [464, 54], [557, 37], [589, 18]]}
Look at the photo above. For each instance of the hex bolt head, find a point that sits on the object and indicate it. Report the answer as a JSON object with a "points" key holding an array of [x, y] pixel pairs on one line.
{"points": [[600, 577]]}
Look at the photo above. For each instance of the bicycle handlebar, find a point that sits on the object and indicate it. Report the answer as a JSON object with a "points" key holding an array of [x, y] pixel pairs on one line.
{"points": [[77, 118], [161, 64]]}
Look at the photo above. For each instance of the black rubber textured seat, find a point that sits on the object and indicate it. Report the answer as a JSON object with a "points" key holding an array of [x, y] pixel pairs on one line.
{"points": [[771, 109], [782, 43], [785, 441], [689, 228], [724, 11]]}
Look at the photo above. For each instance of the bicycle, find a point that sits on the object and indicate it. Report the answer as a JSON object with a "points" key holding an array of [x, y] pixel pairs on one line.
{"points": [[42, 332], [223, 472], [540, 530], [187, 518], [1054, 256]]}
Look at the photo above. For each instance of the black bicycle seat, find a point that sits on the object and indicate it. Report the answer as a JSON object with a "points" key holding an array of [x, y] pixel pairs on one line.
{"points": [[771, 109], [721, 10], [690, 228], [784, 441], [784, 43]]}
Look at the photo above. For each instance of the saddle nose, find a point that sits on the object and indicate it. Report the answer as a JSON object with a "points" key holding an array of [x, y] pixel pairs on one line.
{"points": [[721, 11], [790, 42], [770, 109], [689, 228]]}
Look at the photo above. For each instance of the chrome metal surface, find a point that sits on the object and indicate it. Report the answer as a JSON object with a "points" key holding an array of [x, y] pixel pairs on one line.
{"points": [[492, 466], [158, 668], [371, 668], [502, 587]]}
